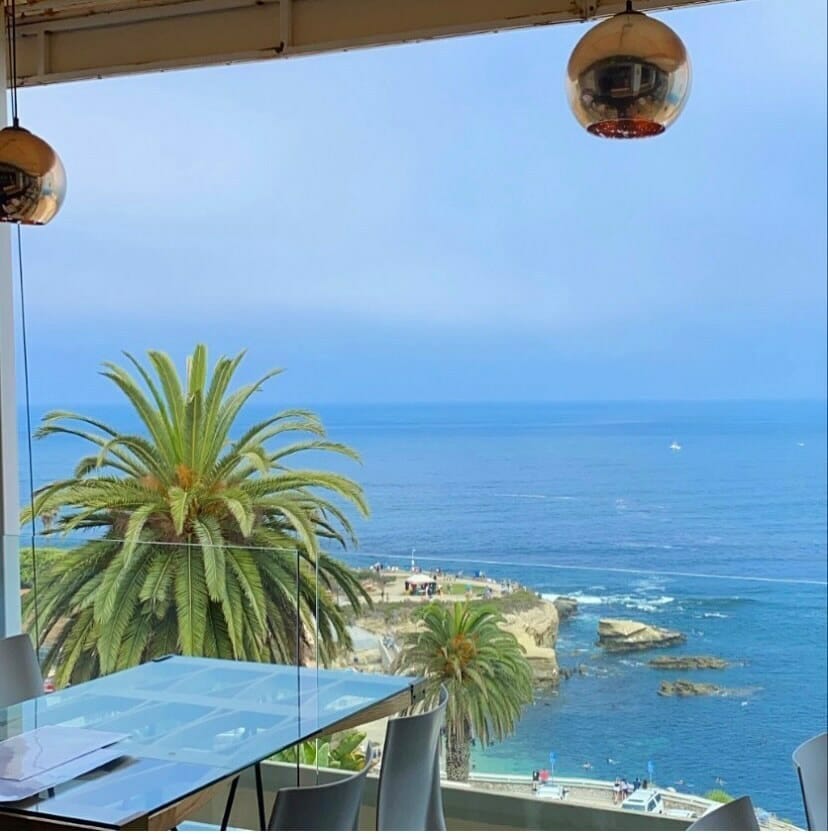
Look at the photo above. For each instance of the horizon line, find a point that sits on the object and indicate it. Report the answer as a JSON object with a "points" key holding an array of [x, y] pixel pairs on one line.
{"points": [[813, 400]]}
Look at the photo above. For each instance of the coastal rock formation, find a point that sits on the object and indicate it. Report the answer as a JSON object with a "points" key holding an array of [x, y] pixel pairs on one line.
{"points": [[536, 629], [683, 689], [566, 607], [689, 662], [632, 636]]}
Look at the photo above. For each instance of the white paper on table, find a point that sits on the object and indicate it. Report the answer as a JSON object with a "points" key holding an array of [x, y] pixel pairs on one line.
{"points": [[30, 754], [13, 790]]}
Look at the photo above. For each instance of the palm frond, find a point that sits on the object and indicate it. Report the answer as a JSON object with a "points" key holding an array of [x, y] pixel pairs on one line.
{"points": [[209, 544]]}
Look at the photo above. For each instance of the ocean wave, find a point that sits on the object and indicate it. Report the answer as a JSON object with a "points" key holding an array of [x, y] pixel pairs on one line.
{"points": [[715, 615], [595, 671], [629, 601], [716, 603], [648, 585], [588, 599], [741, 691], [535, 496]]}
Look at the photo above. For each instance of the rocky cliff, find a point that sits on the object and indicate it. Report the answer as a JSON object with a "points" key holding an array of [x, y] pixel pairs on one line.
{"points": [[536, 629], [566, 607]]}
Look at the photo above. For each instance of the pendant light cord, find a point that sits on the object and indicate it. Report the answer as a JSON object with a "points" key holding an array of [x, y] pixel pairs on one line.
{"points": [[11, 40], [28, 431]]}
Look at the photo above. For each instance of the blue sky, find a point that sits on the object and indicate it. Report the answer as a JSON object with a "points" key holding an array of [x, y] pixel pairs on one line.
{"points": [[428, 222]]}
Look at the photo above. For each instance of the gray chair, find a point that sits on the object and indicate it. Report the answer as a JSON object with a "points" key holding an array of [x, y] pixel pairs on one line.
{"points": [[737, 815], [811, 760], [20, 677], [331, 807], [408, 795]]}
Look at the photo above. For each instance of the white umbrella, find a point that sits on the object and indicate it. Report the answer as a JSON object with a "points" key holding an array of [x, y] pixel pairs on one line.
{"points": [[419, 579]]}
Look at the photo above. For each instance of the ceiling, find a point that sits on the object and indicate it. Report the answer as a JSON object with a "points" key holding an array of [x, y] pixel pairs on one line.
{"points": [[63, 40]]}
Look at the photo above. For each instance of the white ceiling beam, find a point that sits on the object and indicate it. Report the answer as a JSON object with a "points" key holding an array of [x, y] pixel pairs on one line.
{"points": [[62, 40]]}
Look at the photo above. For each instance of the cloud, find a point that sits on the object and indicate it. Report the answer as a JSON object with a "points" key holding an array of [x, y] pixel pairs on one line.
{"points": [[444, 188]]}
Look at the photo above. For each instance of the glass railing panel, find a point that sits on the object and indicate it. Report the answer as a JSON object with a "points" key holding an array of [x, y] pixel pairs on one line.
{"points": [[107, 616], [721, 720]]}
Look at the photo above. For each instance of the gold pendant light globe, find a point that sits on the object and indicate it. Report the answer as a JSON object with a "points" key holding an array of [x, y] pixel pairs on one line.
{"points": [[32, 178], [628, 77]]}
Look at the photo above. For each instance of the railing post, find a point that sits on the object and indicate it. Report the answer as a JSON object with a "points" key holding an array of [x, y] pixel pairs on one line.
{"points": [[9, 470]]}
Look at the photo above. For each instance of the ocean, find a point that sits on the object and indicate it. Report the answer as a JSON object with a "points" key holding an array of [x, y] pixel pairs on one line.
{"points": [[724, 539]]}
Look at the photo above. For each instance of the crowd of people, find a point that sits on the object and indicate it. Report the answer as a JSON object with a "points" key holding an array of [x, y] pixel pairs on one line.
{"points": [[621, 788]]}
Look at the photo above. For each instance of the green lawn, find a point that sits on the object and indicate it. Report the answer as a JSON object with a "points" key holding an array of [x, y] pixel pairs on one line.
{"points": [[459, 588], [400, 611]]}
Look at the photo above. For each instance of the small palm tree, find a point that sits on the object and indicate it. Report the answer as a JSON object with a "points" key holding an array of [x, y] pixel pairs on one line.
{"points": [[489, 681], [204, 544]]}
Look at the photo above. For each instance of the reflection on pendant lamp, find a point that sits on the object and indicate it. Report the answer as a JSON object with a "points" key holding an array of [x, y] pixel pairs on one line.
{"points": [[32, 178], [628, 77]]}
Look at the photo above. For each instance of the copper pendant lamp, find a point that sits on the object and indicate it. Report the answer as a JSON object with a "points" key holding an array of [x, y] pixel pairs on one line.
{"points": [[32, 178], [628, 77]]}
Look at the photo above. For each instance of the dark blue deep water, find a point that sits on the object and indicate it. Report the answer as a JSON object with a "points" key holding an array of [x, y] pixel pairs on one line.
{"points": [[724, 539]]}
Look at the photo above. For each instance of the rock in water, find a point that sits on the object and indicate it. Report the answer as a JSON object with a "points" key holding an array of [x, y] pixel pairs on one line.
{"points": [[632, 636], [689, 662], [683, 689], [567, 607]]}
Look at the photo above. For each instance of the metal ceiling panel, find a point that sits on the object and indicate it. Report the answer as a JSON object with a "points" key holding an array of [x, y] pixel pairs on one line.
{"points": [[62, 40]]}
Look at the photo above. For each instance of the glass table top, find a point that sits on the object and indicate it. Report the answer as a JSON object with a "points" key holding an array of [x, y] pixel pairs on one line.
{"points": [[190, 722]]}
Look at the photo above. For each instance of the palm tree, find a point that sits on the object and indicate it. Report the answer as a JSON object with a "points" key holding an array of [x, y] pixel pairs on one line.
{"points": [[489, 681], [202, 545]]}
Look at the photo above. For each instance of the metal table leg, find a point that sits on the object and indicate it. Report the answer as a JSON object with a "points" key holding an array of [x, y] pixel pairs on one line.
{"points": [[260, 797], [225, 820], [231, 797]]}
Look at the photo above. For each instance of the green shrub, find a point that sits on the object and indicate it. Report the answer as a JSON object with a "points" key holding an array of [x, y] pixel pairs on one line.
{"points": [[718, 795], [340, 751]]}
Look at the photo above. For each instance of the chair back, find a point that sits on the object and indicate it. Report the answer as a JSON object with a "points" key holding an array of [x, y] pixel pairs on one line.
{"points": [[737, 815], [409, 796], [331, 807], [811, 760], [20, 677]]}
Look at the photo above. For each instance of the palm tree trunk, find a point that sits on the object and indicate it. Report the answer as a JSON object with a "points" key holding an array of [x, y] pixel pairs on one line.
{"points": [[458, 755]]}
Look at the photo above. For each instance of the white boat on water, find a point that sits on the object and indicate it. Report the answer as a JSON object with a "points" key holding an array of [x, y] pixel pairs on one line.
{"points": [[676, 447]]}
